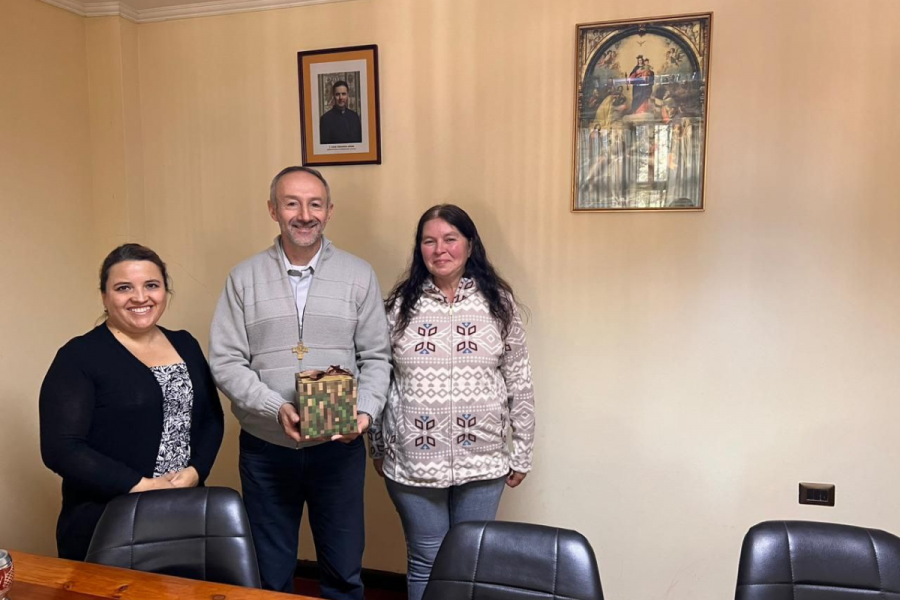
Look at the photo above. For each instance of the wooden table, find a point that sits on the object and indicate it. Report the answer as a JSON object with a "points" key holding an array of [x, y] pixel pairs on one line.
{"points": [[44, 578]]}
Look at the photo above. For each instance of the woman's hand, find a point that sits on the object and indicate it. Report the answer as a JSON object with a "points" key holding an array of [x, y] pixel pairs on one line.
{"points": [[515, 478], [378, 463], [147, 484], [186, 478]]}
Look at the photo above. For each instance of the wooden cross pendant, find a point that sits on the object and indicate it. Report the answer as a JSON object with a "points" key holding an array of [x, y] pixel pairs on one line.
{"points": [[300, 350]]}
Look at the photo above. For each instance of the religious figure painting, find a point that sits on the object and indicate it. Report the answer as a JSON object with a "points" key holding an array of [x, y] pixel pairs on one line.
{"points": [[641, 96], [339, 113]]}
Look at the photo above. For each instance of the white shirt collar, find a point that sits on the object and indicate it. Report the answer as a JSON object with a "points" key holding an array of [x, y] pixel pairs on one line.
{"points": [[297, 269]]}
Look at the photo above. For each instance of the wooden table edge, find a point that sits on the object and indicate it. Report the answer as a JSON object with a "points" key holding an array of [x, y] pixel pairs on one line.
{"points": [[100, 581]]}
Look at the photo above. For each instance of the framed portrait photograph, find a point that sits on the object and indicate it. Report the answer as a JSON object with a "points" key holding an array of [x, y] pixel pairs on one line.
{"points": [[641, 97], [339, 118]]}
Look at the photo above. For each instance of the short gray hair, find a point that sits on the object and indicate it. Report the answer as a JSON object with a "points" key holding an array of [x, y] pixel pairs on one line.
{"points": [[273, 199]]}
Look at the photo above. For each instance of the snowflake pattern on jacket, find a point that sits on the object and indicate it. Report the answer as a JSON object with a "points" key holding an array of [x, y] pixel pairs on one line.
{"points": [[459, 394]]}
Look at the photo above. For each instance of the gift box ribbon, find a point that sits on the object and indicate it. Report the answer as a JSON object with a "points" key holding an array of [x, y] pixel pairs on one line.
{"points": [[316, 374]]}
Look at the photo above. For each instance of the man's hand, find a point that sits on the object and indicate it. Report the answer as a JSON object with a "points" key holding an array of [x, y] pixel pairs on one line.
{"points": [[290, 421], [362, 423]]}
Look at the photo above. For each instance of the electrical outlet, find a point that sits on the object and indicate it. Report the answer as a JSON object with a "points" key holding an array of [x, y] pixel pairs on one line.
{"points": [[820, 494]]}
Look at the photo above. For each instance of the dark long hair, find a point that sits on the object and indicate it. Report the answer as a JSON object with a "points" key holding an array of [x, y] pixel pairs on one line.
{"points": [[496, 291], [132, 252]]}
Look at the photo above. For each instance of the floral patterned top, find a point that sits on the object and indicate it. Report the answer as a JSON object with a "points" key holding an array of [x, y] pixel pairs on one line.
{"points": [[178, 401]]}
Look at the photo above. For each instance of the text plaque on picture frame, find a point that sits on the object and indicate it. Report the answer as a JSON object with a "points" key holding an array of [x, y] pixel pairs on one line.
{"points": [[339, 112], [641, 97]]}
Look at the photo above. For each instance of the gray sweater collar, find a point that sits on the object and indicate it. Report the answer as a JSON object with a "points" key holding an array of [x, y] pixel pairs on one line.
{"points": [[277, 253]]}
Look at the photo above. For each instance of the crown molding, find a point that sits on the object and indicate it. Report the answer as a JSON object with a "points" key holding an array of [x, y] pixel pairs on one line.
{"points": [[212, 8], [97, 9]]}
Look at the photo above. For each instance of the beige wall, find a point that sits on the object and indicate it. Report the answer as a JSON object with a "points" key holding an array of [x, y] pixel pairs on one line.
{"points": [[46, 263], [726, 355], [116, 140]]}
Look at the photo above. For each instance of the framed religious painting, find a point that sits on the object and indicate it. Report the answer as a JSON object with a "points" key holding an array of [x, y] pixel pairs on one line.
{"points": [[641, 98], [339, 114]]}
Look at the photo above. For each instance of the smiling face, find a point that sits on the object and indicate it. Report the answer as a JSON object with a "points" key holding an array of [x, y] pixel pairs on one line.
{"points": [[301, 210], [445, 251], [135, 296]]}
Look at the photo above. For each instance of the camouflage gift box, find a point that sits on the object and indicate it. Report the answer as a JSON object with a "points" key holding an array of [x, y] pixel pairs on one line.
{"points": [[326, 401]]}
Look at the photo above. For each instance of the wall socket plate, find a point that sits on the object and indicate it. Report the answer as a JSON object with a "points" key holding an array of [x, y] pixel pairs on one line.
{"points": [[819, 494]]}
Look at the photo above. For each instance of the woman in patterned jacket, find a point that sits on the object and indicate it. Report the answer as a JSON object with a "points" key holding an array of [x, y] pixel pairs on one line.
{"points": [[459, 423], [128, 406]]}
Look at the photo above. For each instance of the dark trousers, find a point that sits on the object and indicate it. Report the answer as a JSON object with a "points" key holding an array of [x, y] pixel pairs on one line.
{"points": [[75, 528], [329, 478]]}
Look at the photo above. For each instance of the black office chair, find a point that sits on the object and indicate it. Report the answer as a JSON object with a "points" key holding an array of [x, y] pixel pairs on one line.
{"points": [[199, 533], [497, 560], [803, 560]]}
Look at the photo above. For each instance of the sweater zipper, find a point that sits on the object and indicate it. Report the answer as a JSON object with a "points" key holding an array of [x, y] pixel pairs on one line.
{"points": [[452, 413]]}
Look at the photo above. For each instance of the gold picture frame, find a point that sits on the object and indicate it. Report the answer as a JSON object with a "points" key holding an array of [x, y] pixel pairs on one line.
{"points": [[340, 122], [641, 108]]}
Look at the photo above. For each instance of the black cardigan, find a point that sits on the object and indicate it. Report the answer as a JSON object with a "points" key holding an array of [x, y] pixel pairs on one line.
{"points": [[101, 415]]}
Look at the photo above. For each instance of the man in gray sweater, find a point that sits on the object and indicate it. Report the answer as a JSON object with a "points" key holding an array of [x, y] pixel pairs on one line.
{"points": [[301, 304]]}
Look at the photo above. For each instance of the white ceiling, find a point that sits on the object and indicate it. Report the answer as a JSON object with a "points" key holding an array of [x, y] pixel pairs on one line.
{"points": [[145, 11]]}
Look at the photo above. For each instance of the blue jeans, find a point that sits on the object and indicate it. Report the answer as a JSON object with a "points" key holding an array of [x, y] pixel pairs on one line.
{"points": [[427, 515], [329, 477]]}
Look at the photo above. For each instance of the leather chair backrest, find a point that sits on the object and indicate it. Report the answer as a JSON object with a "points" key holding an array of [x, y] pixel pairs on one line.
{"points": [[804, 560], [497, 560], [199, 533]]}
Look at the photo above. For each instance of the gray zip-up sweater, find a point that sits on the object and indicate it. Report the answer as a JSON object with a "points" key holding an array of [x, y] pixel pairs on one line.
{"points": [[255, 327]]}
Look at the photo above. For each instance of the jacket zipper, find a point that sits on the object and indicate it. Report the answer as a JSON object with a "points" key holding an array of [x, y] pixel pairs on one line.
{"points": [[452, 414]]}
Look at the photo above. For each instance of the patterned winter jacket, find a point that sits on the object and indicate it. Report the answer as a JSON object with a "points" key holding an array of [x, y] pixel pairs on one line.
{"points": [[458, 392]]}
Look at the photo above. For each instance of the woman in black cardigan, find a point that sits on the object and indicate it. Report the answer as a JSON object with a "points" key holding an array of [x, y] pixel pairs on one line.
{"points": [[129, 406]]}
